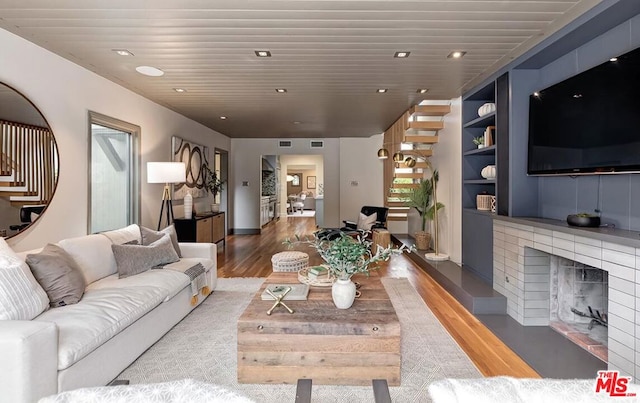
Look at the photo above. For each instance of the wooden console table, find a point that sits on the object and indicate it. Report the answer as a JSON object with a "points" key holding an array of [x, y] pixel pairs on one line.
{"points": [[207, 227]]}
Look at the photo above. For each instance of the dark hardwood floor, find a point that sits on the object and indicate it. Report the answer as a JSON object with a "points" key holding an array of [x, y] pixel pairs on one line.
{"points": [[250, 256]]}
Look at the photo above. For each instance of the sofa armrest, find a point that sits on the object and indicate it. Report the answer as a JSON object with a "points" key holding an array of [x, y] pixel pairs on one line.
{"points": [[202, 250], [29, 365]]}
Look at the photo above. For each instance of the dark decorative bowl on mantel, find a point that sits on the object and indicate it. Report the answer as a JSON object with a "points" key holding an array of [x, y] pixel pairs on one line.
{"points": [[583, 220]]}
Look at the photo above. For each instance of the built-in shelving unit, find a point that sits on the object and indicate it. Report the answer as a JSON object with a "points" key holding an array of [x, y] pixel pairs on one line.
{"points": [[477, 225]]}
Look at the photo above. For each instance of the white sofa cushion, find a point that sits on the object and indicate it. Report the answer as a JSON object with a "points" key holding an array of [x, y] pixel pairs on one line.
{"points": [[93, 254], [124, 235], [21, 297], [171, 282], [99, 316]]}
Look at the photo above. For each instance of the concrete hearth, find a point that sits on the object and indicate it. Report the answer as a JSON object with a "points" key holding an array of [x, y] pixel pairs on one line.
{"points": [[523, 251]]}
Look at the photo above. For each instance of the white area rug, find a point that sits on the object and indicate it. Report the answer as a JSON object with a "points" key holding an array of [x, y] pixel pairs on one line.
{"points": [[203, 346], [305, 213]]}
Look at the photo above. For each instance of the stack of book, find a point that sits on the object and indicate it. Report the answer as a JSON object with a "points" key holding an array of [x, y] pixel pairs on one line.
{"points": [[316, 272]]}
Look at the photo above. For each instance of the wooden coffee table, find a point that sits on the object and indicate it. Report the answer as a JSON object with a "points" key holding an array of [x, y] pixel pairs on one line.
{"points": [[319, 341]]}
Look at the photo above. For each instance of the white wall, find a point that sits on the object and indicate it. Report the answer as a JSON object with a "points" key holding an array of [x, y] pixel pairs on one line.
{"points": [[360, 175], [246, 167], [447, 159], [65, 92]]}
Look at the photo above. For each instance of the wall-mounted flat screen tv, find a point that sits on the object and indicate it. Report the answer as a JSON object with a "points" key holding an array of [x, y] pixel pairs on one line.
{"points": [[589, 123]]}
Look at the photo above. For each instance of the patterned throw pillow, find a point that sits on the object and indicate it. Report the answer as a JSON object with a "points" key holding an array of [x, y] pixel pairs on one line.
{"points": [[135, 259], [21, 297], [58, 274], [366, 222], [149, 236]]}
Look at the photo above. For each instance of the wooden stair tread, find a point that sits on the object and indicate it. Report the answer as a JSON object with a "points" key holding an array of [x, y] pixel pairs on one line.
{"points": [[414, 175], [426, 125], [429, 110], [420, 139]]}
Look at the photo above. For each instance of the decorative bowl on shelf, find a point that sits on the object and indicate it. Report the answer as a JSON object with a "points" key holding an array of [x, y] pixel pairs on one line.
{"points": [[486, 109], [488, 172], [583, 220]]}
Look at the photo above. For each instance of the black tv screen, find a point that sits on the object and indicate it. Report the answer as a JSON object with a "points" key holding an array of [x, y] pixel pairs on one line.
{"points": [[589, 123]]}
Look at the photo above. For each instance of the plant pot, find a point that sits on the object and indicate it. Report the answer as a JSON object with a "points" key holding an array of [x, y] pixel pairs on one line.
{"points": [[423, 239], [215, 207], [343, 292]]}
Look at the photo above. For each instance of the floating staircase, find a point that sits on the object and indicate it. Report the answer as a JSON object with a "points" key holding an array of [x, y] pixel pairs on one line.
{"points": [[28, 163], [413, 134]]}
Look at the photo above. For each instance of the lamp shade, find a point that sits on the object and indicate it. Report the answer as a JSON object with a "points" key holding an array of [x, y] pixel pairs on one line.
{"points": [[166, 172]]}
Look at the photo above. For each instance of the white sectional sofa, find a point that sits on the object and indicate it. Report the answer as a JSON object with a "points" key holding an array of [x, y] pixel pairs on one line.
{"points": [[117, 319]]}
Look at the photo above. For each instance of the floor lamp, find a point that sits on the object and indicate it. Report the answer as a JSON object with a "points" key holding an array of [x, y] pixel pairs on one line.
{"points": [[166, 172]]}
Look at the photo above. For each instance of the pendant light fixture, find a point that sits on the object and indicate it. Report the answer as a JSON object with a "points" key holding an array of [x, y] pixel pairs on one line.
{"points": [[383, 153], [410, 162], [398, 157]]}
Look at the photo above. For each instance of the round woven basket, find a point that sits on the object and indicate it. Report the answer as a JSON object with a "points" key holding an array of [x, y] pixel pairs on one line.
{"points": [[423, 240]]}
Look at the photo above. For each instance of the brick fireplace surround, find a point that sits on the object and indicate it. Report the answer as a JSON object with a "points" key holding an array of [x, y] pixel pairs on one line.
{"points": [[522, 250]]}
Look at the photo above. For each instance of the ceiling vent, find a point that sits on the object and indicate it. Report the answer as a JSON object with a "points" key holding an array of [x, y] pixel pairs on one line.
{"points": [[317, 144], [284, 144]]}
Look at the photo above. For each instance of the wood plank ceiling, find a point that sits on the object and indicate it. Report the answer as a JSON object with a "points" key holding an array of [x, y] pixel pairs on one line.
{"points": [[330, 56]]}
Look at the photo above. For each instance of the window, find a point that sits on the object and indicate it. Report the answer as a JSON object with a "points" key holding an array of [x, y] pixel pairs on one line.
{"points": [[114, 179]]}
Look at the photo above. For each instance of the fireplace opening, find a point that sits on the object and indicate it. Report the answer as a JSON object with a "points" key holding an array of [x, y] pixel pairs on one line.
{"points": [[579, 304]]}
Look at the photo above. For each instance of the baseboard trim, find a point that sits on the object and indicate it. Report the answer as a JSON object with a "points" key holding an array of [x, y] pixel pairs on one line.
{"points": [[245, 231]]}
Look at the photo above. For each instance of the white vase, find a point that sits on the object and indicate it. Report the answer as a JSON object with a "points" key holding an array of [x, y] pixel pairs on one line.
{"points": [[188, 206], [215, 207], [343, 292]]}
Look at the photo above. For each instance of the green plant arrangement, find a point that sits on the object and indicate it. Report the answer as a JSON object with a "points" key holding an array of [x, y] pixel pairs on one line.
{"points": [[211, 181], [347, 255], [479, 141]]}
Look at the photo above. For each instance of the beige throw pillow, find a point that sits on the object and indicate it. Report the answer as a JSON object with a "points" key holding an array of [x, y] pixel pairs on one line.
{"points": [[366, 222], [149, 236], [58, 274]]}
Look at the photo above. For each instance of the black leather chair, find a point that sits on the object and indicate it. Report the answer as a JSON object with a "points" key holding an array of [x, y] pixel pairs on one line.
{"points": [[351, 227], [381, 219], [25, 216]]}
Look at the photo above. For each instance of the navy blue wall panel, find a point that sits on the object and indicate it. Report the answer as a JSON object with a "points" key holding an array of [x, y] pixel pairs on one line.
{"points": [[617, 196]]}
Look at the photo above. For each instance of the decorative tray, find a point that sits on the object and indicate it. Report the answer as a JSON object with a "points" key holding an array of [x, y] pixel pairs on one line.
{"points": [[323, 281]]}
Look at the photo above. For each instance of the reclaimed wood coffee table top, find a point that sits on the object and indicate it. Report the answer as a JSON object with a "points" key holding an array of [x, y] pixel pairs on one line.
{"points": [[372, 307]]}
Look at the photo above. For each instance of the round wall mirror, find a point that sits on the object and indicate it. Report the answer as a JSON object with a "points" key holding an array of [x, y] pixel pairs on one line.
{"points": [[28, 162]]}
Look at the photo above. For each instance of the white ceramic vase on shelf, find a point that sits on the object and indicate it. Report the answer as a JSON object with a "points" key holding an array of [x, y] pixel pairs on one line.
{"points": [[343, 292], [215, 207], [188, 206]]}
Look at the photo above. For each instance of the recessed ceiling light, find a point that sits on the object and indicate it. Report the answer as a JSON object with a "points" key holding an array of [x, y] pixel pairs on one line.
{"points": [[179, 90], [223, 118], [122, 52], [402, 54], [381, 90], [263, 53], [296, 122], [281, 90], [422, 90], [149, 71], [613, 59], [456, 54], [536, 94]]}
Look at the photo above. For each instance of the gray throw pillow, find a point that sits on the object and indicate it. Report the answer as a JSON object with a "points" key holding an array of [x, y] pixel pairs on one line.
{"points": [[135, 259], [58, 274], [149, 236]]}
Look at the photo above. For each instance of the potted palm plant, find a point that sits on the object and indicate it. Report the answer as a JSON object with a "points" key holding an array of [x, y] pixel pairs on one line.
{"points": [[421, 199], [213, 184]]}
